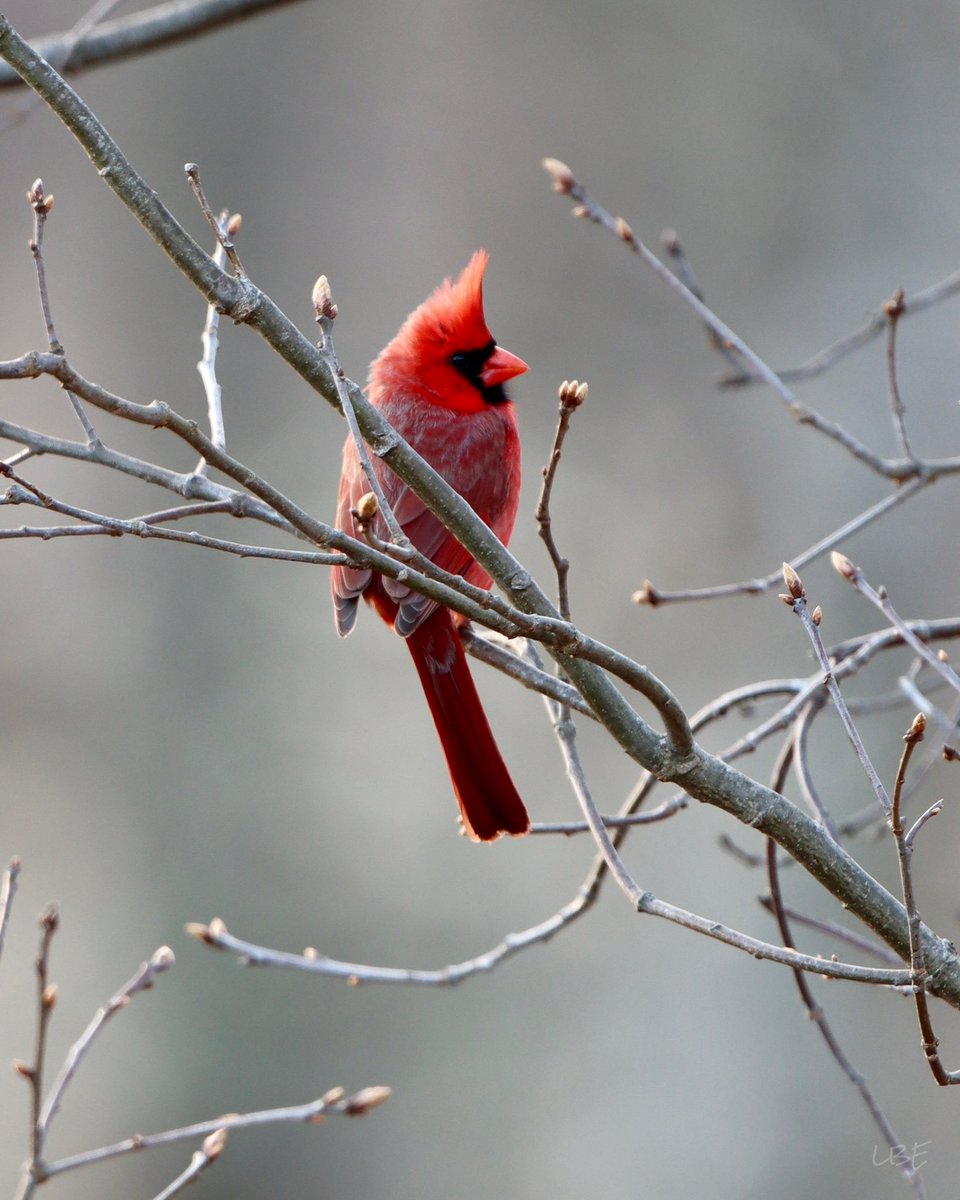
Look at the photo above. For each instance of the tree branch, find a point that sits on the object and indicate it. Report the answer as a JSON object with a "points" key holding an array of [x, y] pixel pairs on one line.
{"points": [[138, 33]]}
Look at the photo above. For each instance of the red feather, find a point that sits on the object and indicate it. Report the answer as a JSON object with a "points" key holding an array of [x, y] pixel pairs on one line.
{"points": [[440, 384]]}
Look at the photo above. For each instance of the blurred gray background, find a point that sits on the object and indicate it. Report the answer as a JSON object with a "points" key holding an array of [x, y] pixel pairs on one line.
{"points": [[182, 731]]}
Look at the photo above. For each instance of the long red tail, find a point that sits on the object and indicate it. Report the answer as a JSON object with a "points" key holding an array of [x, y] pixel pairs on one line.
{"points": [[488, 801]]}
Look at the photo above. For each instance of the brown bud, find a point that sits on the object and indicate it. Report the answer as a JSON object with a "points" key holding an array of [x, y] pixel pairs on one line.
{"points": [[895, 306], [917, 729], [793, 582], [21, 1068], [322, 298], [207, 933], [311, 953], [38, 199], [624, 232], [843, 566], [951, 754], [572, 393], [162, 959], [49, 996], [646, 594], [943, 656], [215, 1143], [367, 508], [233, 225], [334, 1096], [579, 210], [817, 615], [560, 173], [369, 1097]]}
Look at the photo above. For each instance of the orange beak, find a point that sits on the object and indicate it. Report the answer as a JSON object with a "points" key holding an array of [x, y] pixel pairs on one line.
{"points": [[501, 366]]}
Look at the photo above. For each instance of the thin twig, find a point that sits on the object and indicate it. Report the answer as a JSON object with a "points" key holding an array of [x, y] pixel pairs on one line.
{"points": [[42, 205], [216, 935], [894, 310], [325, 311], [649, 817], [140, 32], [486, 649], [879, 598], [801, 764], [835, 930], [650, 594], [33, 1074], [822, 361], [333, 1102], [797, 599], [189, 484], [572, 395], [142, 980], [818, 1016], [63, 55], [8, 889], [210, 341], [36, 1170], [565, 182], [145, 527], [213, 1146], [904, 839], [220, 230]]}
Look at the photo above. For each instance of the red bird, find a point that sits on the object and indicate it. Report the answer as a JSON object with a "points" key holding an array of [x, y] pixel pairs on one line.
{"points": [[440, 384]]}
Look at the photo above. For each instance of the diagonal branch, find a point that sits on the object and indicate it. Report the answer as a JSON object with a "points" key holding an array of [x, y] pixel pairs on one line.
{"points": [[138, 33]]}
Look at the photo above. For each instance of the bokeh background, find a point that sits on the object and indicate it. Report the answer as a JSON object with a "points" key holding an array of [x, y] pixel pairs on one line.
{"points": [[183, 735]]}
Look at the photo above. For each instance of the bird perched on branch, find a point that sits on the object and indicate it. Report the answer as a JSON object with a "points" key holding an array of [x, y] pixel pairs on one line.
{"points": [[440, 384]]}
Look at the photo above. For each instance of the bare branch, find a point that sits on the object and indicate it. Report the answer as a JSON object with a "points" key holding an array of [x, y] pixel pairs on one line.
{"points": [[33, 1074], [42, 205], [821, 362], [8, 889], [835, 930], [798, 602], [572, 395], [894, 310], [896, 469], [138, 33], [141, 981], [213, 1146], [217, 225], [64, 56], [650, 594], [36, 1170], [904, 843], [333, 1102], [818, 1016], [210, 341], [878, 597]]}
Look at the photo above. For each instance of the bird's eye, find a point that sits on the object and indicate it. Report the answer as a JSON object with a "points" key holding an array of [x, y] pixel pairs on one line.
{"points": [[471, 362]]}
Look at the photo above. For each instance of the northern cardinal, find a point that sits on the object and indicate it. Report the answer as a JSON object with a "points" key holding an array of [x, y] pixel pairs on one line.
{"points": [[440, 384]]}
